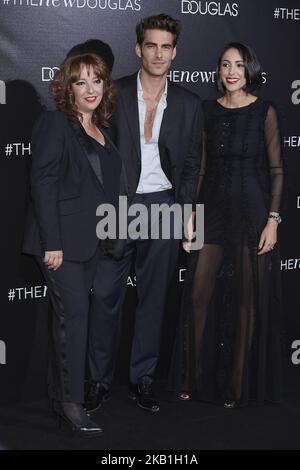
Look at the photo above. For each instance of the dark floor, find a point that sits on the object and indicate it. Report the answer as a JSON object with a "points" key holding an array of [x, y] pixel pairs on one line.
{"points": [[183, 425]]}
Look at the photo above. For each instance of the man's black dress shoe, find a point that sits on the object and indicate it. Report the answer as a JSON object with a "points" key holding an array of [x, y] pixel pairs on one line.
{"points": [[96, 395], [75, 418], [143, 394]]}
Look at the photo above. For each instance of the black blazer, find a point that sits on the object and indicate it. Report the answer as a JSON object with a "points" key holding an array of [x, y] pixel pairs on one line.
{"points": [[66, 188], [179, 139]]}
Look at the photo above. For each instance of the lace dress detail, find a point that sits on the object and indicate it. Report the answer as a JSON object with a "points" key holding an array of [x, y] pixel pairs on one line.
{"points": [[229, 344]]}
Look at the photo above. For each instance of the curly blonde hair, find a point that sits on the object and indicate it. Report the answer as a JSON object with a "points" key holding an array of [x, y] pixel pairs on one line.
{"points": [[69, 73]]}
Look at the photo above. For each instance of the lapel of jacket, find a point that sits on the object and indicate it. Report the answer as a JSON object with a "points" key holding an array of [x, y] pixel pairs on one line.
{"points": [[88, 149], [123, 172], [169, 116], [131, 109]]}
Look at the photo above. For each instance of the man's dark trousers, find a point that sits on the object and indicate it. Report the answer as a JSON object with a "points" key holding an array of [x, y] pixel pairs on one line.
{"points": [[155, 261]]}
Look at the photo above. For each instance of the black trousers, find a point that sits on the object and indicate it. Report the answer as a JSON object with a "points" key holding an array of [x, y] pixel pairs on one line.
{"points": [[155, 261], [69, 292]]}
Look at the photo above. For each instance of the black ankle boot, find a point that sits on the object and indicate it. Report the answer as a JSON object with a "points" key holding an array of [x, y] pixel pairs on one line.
{"points": [[74, 416], [96, 396]]}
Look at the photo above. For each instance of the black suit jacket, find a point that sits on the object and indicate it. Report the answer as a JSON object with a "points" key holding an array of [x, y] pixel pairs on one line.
{"points": [[66, 188], [179, 139]]}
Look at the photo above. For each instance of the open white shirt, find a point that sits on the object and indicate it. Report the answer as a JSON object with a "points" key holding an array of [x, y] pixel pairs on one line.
{"points": [[152, 177]]}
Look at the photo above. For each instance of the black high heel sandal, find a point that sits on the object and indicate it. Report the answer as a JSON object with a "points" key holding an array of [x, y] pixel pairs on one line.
{"points": [[76, 419], [185, 396]]}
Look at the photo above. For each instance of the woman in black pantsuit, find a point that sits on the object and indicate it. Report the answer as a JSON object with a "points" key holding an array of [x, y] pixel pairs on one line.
{"points": [[74, 169]]}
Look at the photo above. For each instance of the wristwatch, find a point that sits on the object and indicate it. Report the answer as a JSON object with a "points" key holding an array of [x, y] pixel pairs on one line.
{"points": [[275, 217]]}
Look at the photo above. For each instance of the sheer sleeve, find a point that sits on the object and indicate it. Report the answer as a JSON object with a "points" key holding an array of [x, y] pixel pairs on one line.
{"points": [[274, 153], [202, 168]]}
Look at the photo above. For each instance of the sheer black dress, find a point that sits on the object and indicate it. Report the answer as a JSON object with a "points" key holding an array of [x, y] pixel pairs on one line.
{"points": [[230, 338]]}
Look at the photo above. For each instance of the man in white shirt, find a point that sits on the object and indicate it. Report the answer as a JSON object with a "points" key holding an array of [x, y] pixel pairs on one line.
{"points": [[157, 129]]}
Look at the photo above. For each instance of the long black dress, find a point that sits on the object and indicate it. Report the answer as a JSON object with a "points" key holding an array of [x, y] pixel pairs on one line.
{"points": [[230, 343]]}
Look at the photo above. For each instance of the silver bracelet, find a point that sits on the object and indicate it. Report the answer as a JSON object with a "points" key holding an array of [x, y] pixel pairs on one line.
{"points": [[275, 217]]}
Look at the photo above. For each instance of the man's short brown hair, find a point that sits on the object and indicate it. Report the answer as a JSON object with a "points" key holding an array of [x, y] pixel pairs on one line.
{"points": [[163, 22]]}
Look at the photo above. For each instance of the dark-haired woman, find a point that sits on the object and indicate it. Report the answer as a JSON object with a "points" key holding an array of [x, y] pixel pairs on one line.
{"points": [[231, 328], [74, 169]]}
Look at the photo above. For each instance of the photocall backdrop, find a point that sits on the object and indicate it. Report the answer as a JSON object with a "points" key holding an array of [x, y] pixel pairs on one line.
{"points": [[35, 36]]}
